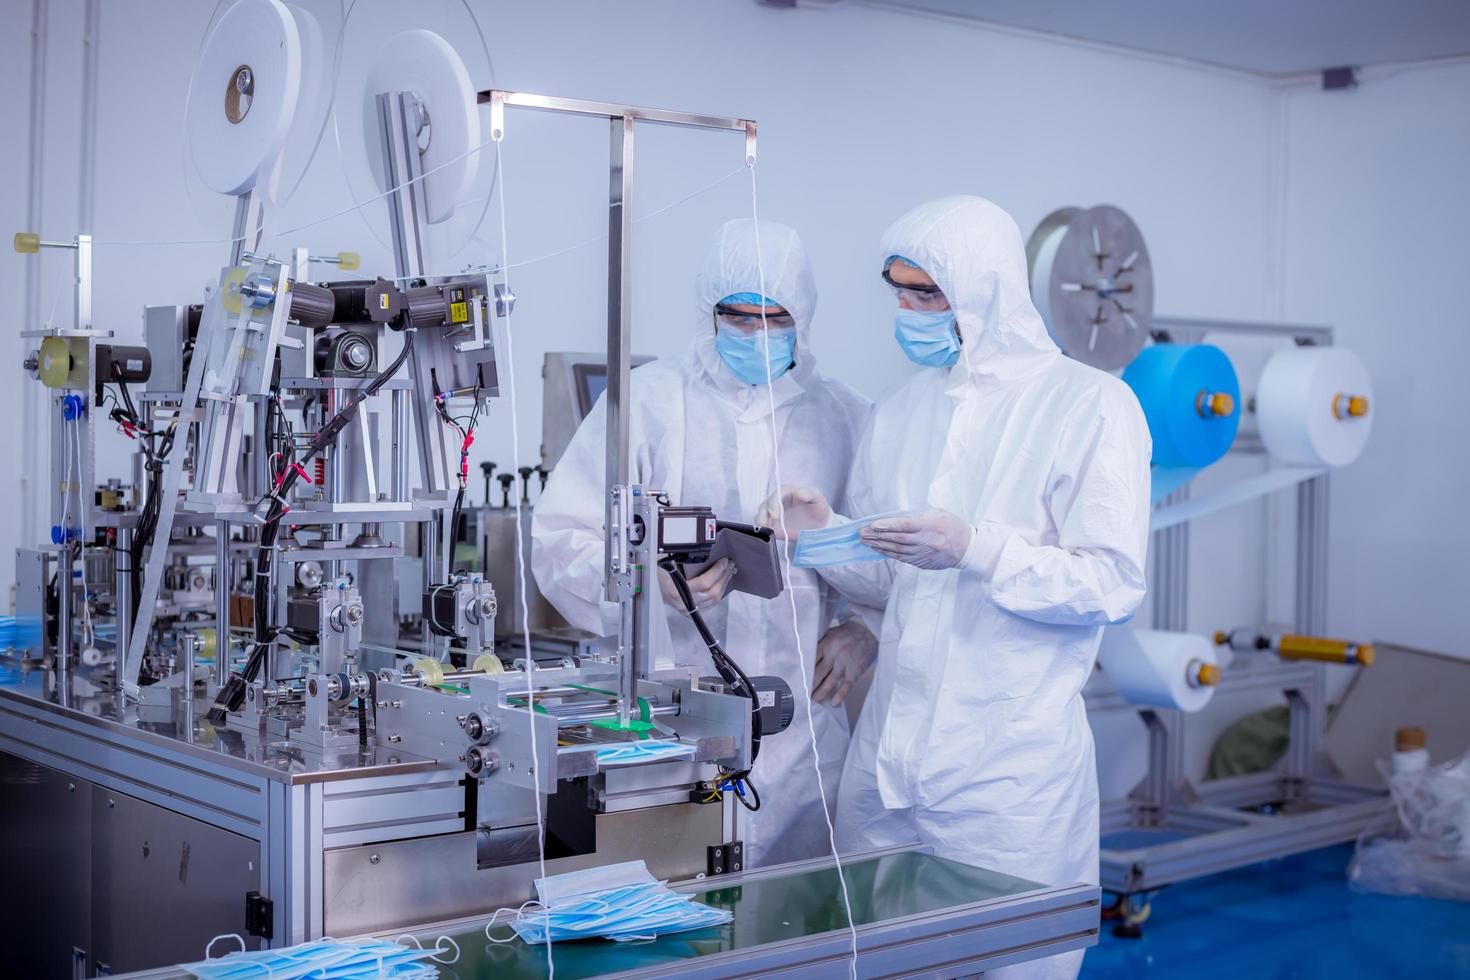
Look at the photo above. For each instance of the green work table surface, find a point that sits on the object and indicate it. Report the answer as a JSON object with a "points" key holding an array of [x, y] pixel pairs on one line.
{"points": [[913, 912]]}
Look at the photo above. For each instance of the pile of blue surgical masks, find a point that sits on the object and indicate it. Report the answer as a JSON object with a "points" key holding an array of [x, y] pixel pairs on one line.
{"points": [[324, 958], [621, 902], [627, 753], [837, 545]]}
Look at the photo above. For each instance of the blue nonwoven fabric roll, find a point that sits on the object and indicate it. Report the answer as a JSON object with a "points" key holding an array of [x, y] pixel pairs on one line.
{"points": [[1173, 383]]}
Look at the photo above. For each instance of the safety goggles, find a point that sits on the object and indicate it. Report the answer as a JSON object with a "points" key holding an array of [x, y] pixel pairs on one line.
{"points": [[749, 322], [918, 297]]}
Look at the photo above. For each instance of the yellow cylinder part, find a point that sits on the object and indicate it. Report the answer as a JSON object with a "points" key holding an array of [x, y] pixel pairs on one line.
{"points": [[1219, 404], [1324, 650], [348, 261], [431, 670], [229, 288], [489, 663], [1350, 406], [27, 242], [54, 364], [1208, 675], [208, 643]]}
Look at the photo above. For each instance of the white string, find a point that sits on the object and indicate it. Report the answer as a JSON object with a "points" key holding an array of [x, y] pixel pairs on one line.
{"points": [[791, 592], [582, 244], [515, 448], [357, 206], [228, 935]]}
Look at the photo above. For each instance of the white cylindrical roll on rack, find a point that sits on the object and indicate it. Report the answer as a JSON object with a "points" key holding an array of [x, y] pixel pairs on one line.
{"points": [[243, 96], [1160, 668], [425, 64], [1313, 406]]}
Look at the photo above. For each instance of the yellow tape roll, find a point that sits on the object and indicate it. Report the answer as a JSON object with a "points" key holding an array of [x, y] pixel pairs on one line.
{"points": [[431, 670], [489, 663], [229, 288], [208, 643], [54, 366]]}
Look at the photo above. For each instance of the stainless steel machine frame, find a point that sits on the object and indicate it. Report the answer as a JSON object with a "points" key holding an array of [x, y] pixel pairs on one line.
{"points": [[623, 574], [1230, 823]]}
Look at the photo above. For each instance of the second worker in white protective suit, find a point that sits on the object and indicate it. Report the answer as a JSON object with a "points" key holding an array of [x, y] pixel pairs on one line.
{"points": [[701, 430], [1026, 475]]}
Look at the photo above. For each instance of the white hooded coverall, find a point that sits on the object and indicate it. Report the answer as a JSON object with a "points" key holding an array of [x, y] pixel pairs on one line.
{"points": [[704, 437], [974, 739]]}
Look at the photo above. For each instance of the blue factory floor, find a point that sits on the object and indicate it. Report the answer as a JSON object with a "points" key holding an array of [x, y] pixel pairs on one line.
{"points": [[1295, 918]]}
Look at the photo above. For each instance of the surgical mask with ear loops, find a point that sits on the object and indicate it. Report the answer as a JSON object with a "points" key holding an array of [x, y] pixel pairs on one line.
{"points": [[927, 337]]}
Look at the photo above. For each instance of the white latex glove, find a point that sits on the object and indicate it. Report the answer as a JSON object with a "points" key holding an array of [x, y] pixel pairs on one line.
{"points": [[707, 588], [933, 540], [806, 508], [843, 653]]}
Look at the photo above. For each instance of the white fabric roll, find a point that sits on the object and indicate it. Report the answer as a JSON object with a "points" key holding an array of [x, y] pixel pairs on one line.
{"points": [[1300, 406], [1153, 667], [231, 154], [424, 63]]}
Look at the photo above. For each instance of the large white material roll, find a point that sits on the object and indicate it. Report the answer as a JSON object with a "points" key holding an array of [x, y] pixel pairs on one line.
{"points": [[243, 96], [1159, 668], [425, 64], [1314, 406]]}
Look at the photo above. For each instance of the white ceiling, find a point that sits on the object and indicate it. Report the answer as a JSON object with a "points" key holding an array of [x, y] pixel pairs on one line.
{"points": [[1267, 37]]}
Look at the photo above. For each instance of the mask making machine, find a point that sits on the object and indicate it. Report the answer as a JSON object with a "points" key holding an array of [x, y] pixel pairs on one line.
{"points": [[208, 699]]}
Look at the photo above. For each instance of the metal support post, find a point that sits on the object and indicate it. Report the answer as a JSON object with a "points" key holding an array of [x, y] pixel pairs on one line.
{"points": [[222, 590]]}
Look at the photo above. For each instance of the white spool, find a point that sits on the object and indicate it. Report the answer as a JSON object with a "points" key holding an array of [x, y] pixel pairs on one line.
{"points": [[234, 137], [1046, 256], [1158, 668], [1301, 406], [425, 64]]}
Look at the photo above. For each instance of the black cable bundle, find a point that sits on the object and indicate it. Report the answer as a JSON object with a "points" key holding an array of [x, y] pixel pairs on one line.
{"points": [[153, 460], [232, 695], [732, 674]]}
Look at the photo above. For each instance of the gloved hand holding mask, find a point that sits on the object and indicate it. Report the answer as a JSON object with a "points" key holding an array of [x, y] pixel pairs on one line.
{"points": [[935, 539], [843, 653]]}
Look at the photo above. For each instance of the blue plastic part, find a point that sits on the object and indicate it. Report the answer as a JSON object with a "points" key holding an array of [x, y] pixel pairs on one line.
{"points": [[57, 535], [1169, 380], [73, 407]]}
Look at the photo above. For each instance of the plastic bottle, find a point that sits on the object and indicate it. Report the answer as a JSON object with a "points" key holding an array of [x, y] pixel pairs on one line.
{"points": [[1410, 753]]}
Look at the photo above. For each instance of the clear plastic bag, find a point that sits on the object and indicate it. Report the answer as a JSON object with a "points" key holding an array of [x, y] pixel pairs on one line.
{"points": [[1429, 852]]}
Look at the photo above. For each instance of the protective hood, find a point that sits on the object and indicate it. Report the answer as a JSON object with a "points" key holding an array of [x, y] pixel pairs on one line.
{"points": [[973, 251], [731, 267]]}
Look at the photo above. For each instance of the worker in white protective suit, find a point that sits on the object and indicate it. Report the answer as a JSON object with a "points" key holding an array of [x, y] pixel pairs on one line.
{"points": [[701, 431], [1025, 475]]}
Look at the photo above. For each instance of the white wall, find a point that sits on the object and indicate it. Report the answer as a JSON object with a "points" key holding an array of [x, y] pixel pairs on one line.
{"points": [[1375, 243]]}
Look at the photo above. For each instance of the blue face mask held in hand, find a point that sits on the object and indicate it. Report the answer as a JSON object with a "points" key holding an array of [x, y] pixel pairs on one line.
{"points": [[837, 545], [927, 337]]}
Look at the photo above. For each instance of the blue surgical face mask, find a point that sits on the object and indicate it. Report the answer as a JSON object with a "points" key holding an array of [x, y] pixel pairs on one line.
{"points": [[745, 353], [838, 545], [927, 337]]}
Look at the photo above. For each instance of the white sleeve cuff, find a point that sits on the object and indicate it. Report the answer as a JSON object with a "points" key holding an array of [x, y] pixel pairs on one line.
{"points": [[983, 555]]}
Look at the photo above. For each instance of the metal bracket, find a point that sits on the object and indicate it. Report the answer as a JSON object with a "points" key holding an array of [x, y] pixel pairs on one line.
{"points": [[725, 859], [259, 915]]}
